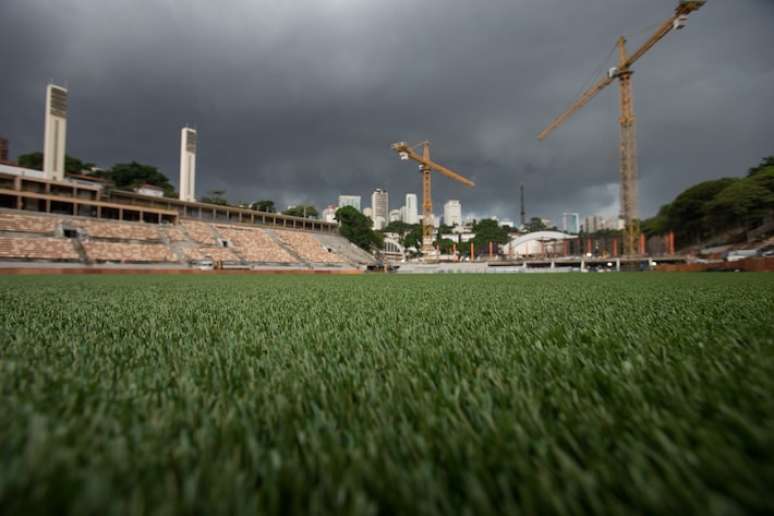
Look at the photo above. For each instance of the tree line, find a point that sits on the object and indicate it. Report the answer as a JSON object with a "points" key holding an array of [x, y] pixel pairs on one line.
{"points": [[713, 207]]}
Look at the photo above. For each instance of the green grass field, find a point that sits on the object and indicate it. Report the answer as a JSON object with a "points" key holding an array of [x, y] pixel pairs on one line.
{"points": [[525, 394]]}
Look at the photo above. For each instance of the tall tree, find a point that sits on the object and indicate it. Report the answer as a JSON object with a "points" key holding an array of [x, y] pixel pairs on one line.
{"points": [[413, 238], [34, 161], [265, 205], [742, 204], [127, 176], [764, 177], [302, 210], [357, 228], [658, 225], [535, 224], [445, 245], [76, 166], [766, 163], [445, 229], [689, 213], [488, 230]]}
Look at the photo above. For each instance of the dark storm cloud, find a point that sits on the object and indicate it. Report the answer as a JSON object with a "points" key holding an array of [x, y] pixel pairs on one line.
{"points": [[299, 100]]}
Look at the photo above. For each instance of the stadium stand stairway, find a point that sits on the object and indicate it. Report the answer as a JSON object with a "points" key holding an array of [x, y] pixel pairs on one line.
{"points": [[345, 249], [78, 246], [292, 252], [198, 241], [173, 238], [220, 238]]}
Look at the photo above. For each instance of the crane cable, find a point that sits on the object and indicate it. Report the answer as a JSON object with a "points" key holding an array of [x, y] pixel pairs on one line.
{"points": [[648, 29], [586, 85]]}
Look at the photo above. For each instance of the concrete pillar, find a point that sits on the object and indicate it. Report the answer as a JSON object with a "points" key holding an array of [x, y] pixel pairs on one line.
{"points": [[188, 145], [55, 137]]}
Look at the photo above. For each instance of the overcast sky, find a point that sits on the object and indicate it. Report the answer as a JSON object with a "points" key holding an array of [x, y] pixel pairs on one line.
{"points": [[299, 100]]}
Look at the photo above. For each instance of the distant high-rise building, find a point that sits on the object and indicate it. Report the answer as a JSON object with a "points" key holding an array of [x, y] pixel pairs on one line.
{"points": [[329, 213], [55, 137], [412, 213], [380, 204], [594, 223], [616, 223], [188, 145], [571, 223], [452, 213], [395, 216], [349, 200], [3, 149], [368, 212], [507, 223]]}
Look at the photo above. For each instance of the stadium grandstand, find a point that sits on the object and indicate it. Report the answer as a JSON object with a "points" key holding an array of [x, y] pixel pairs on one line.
{"points": [[74, 223]]}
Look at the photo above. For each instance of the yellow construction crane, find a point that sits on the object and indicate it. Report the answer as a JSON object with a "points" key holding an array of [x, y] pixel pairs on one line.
{"points": [[623, 72], [426, 166]]}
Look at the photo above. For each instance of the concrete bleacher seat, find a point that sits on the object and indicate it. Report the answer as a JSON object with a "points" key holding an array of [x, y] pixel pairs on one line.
{"points": [[117, 230], [200, 232], [254, 245], [32, 236], [38, 249], [216, 254], [24, 223], [346, 249], [308, 247], [175, 234], [122, 252]]}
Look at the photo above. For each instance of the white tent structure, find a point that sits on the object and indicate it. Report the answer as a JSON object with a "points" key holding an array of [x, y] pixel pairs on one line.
{"points": [[537, 244]]}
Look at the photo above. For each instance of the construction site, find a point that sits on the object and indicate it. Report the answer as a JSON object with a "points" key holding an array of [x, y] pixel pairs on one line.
{"points": [[51, 219]]}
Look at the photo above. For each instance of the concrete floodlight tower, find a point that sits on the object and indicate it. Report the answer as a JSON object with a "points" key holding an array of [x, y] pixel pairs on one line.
{"points": [[187, 164], [55, 139]]}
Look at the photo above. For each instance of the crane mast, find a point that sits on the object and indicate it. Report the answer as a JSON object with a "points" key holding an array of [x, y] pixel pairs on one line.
{"points": [[628, 166], [628, 147], [427, 201], [426, 167]]}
